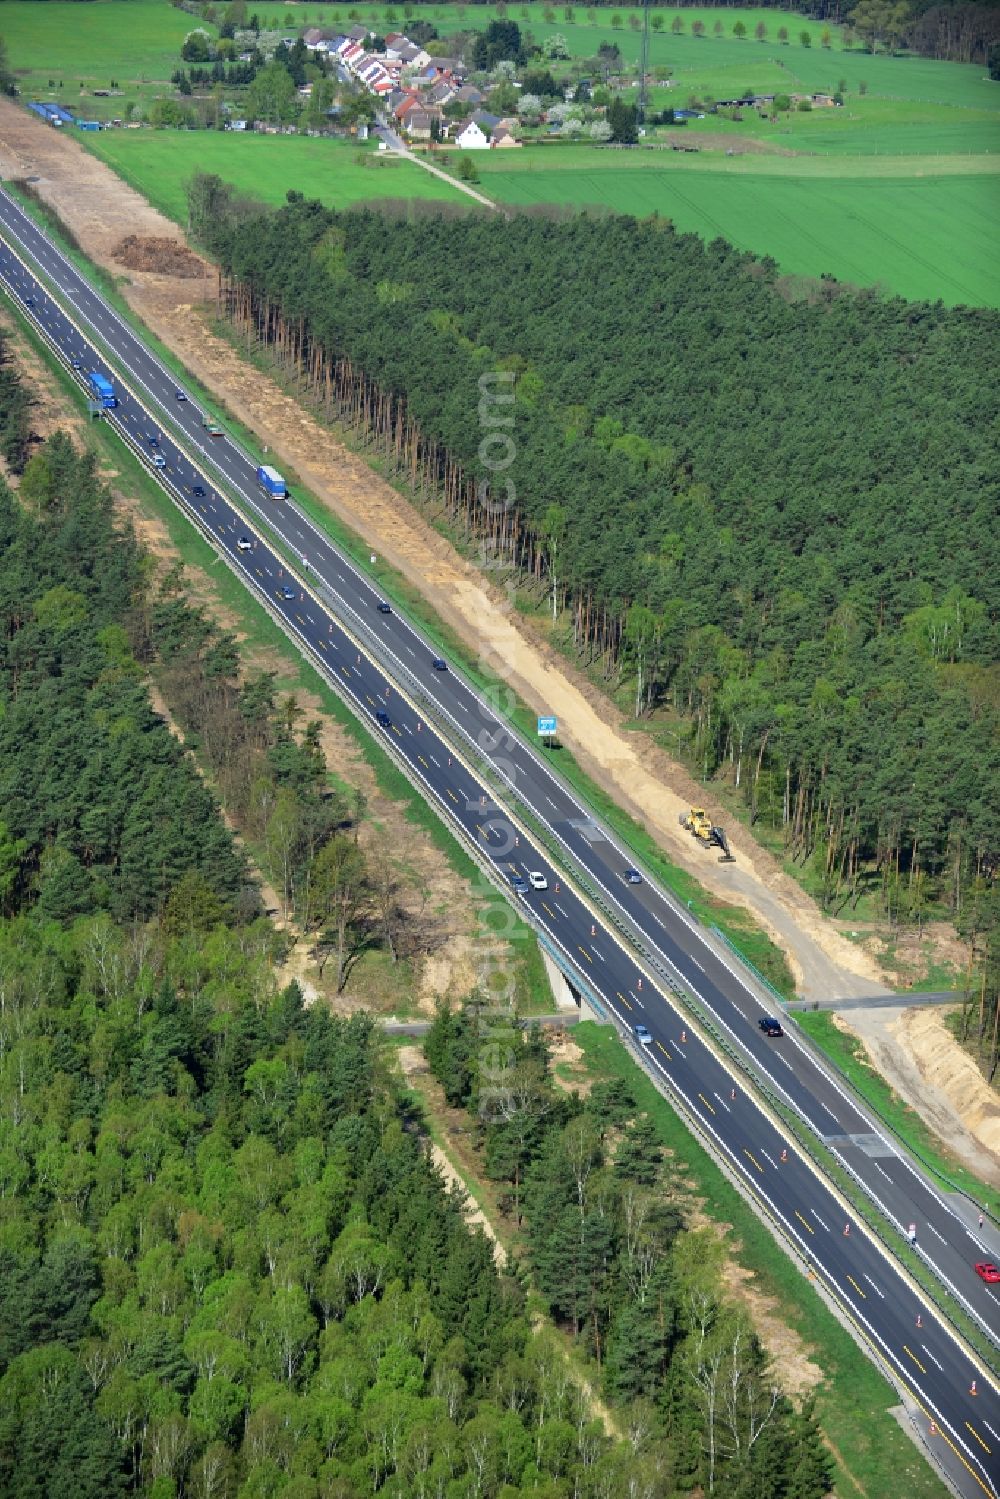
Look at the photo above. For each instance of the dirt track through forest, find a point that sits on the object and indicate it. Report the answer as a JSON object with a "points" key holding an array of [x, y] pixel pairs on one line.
{"points": [[100, 210]]}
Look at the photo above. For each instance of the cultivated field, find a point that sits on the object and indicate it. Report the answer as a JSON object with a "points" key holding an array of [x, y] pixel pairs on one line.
{"points": [[891, 230]]}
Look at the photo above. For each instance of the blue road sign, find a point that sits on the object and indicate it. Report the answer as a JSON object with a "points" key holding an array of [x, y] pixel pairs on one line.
{"points": [[547, 725]]}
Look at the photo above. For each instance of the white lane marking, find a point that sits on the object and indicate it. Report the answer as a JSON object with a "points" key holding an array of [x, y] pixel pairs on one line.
{"points": [[435, 761], [768, 1158], [549, 800], [560, 909], [310, 618], [884, 1173], [992, 1433], [723, 1102], [931, 1357], [936, 1234], [875, 1287], [819, 1220], [597, 954]]}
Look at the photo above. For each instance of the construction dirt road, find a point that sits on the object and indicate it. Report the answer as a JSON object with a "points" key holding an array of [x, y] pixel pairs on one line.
{"points": [[101, 211]]}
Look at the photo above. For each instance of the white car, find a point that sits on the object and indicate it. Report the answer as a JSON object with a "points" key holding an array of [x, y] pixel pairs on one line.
{"points": [[159, 461], [244, 544], [537, 880]]}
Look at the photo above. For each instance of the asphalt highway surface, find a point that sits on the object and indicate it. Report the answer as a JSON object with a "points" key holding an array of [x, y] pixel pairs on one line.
{"points": [[624, 944]]}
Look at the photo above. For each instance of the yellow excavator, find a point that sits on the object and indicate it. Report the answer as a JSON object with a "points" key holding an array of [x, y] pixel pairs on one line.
{"points": [[700, 826]]}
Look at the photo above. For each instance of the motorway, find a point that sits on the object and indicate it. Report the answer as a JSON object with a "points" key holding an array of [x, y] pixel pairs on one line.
{"points": [[626, 944]]}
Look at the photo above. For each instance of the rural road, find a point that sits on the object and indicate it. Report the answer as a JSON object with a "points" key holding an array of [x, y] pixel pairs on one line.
{"points": [[395, 144]]}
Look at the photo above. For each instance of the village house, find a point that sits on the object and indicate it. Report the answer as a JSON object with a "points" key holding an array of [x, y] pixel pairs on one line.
{"points": [[469, 135], [419, 121], [503, 138]]}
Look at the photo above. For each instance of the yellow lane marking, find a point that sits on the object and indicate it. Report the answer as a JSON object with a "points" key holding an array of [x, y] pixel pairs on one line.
{"points": [[586, 954], [548, 908], [396, 732], [370, 698], [423, 762], [706, 1103], [452, 795], [321, 644], [804, 1221], [347, 672], [665, 1051], [978, 1438], [857, 1288], [258, 572], [913, 1356], [754, 1159], [300, 619]]}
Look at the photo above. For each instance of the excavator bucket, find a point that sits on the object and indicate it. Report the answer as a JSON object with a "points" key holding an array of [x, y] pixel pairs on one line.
{"points": [[720, 840]]}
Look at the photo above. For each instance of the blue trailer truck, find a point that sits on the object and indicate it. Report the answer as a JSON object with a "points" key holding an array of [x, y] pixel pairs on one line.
{"points": [[271, 483], [101, 389]]}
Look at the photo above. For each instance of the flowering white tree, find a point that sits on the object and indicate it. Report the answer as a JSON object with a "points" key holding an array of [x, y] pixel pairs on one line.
{"points": [[555, 45], [529, 105], [600, 130], [505, 69]]}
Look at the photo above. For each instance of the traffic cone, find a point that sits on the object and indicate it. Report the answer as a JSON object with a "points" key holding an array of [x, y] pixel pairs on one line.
{"points": [[784, 1155], [638, 983], [933, 1429], [684, 1036], [919, 1320], [593, 930], [972, 1388], [847, 1229], [732, 1094]]}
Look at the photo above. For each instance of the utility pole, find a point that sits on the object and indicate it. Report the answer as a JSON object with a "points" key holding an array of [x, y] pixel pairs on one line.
{"points": [[644, 62]]}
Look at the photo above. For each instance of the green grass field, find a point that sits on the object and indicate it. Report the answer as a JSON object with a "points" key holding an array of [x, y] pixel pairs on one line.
{"points": [[133, 43], [160, 162]]}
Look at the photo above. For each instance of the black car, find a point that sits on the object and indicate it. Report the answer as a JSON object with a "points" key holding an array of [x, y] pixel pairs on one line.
{"points": [[179, 395], [382, 717], [289, 593], [383, 607], [77, 364], [152, 439], [770, 1026], [439, 663], [198, 490], [633, 877]]}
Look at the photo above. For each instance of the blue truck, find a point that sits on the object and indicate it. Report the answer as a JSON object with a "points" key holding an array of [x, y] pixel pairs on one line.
{"points": [[101, 389], [271, 483]]}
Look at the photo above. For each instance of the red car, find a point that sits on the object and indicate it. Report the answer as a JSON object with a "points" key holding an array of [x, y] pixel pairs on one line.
{"points": [[986, 1270]]}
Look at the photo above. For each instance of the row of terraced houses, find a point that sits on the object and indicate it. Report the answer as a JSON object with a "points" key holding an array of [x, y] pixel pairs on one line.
{"points": [[414, 88]]}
